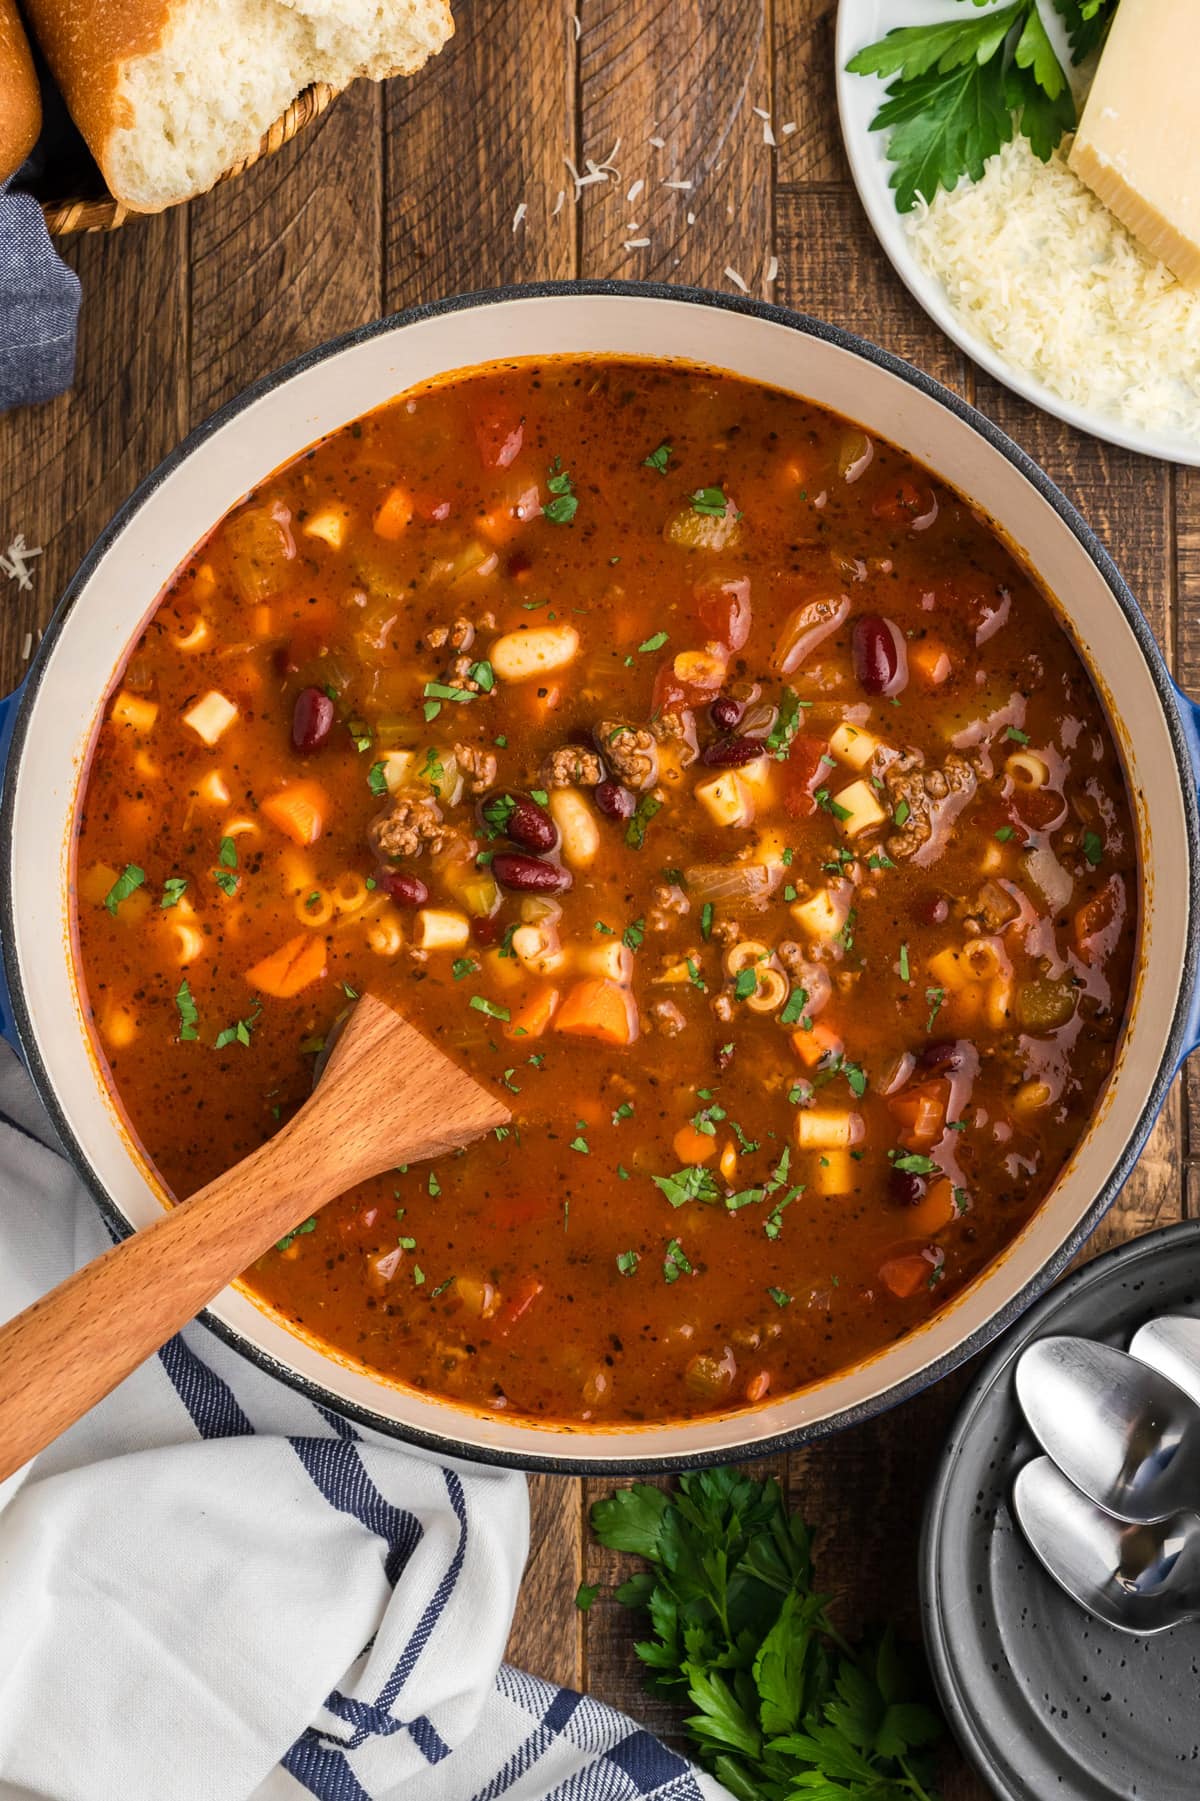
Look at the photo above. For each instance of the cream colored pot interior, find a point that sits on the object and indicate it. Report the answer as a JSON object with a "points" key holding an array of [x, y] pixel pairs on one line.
{"points": [[278, 424]]}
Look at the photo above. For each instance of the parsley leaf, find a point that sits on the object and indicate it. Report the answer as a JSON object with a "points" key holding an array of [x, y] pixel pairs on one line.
{"points": [[627, 1262], [377, 778], [585, 1594], [695, 1183], [658, 459], [189, 1017], [710, 503], [482, 1005], [174, 889], [675, 1263], [1093, 848], [784, 730], [633, 934], [654, 643], [635, 831], [131, 877], [779, 1704], [239, 1032], [562, 509]]}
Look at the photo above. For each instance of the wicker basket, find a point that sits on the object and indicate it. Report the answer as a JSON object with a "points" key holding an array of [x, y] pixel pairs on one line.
{"points": [[103, 213]]}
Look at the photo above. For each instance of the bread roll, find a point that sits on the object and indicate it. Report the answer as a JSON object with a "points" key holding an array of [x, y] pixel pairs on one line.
{"points": [[20, 100], [170, 93]]}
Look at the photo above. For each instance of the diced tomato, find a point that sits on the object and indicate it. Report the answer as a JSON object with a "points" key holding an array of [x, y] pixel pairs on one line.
{"points": [[724, 609], [801, 772], [432, 509], [902, 502], [499, 434], [524, 1297], [674, 695], [1097, 924], [1038, 809], [905, 1276]]}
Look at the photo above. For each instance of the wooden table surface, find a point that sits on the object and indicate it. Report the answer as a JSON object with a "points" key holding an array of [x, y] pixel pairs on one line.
{"points": [[407, 194]]}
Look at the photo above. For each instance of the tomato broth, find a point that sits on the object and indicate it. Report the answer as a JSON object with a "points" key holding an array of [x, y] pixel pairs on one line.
{"points": [[699, 771]]}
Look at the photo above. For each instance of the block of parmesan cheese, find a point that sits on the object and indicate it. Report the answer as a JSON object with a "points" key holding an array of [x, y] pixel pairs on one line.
{"points": [[1138, 143]]}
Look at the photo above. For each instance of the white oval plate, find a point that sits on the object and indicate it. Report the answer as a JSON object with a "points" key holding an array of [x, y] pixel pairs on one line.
{"points": [[861, 22]]}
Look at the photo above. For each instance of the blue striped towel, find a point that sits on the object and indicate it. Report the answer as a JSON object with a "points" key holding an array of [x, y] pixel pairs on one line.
{"points": [[213, 1590], [39, 305]]}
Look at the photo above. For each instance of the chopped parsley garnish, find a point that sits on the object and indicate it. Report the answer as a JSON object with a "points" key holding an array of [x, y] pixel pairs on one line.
{"points": [[434, 1186], [585, 1594], [706, 919], [745, 984], [780, 1296], [463, 966], [675, 1263], [350, 993], [901, 812], [189, 1017], [824, 799], [658, 459], [239, 1032], [915, 1163], [483, 675], [131, 877], [784, 730], [562, 509], [606, 930], [174, 889], [635, 831], [627, 1262], [377, 778], [634, 933], [581, 1145], [905, 975], [793, 1007], [418, 1275], [694, 976], [1004, 833], [227, 857], [310, 1225], [1017, 736], [710, 503], [706, 1120], [934, 997], [482, 1005], [624, 1111], [877, 860], [1093, 848], [773, 1224], [654, 643], [695, 1183]]}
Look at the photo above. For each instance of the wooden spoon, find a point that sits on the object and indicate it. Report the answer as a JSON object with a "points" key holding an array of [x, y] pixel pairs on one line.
{"points": [[387, 1096]]}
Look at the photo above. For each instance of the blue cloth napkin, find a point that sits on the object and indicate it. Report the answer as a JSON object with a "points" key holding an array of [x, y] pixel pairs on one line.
{"points": [[39, 306], [212, 1589]]}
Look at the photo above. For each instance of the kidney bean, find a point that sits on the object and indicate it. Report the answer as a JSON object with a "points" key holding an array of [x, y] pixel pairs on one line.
{"points": [[906, 1189], [406, 889], [530, 826], [529, 875], [485, 931], [930, 909], [944, 1055], [312, 719], [615, 800], [726, 712], [880, 657], [731, 753]]}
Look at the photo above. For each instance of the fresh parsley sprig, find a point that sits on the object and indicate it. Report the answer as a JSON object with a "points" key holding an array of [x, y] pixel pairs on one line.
{"points": [[783, 1706], [962, 86]]}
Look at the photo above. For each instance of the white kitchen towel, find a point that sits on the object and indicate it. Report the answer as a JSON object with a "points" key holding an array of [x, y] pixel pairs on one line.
{"points": [[213, 1590]]}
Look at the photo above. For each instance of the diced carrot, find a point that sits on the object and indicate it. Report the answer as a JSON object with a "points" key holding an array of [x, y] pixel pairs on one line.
{"points": [[757, 1386], [904, 1276], [920, 1112], [395, 514], [932, 1214], [298, 811], [534, 1015], [693, 1146], [931, 663], [295, 965], [598, 1009], [262, 621], [137, 819], [811, 1046], [502, 523]]}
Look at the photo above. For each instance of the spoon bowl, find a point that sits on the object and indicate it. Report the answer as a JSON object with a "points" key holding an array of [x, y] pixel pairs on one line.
{"points": [[1141, 1579], [1171, 1345], [1123, 1433]]}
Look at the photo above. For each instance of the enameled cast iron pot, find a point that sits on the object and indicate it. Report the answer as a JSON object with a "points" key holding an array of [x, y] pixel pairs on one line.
{"points": [[50, 723]]}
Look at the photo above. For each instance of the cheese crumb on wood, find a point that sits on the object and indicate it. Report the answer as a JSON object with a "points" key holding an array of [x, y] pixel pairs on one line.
{"points": [[1138, 144], [1040, 269]]}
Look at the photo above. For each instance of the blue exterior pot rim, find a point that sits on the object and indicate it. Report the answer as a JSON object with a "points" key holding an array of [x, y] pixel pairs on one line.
{"points": [[1183, 723]]}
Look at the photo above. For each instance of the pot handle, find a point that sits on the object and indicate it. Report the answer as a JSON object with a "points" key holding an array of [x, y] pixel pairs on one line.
{"points": [[10, 706], [1189, 719]]}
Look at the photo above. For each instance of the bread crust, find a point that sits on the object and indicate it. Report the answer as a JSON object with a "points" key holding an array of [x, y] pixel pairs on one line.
{"points": [[20, 97], [89, 43]]}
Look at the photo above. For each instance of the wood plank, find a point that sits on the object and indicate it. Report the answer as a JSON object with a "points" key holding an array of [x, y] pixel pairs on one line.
{"points": [[499, 104], [823, 235], [290, 254], [65, 467], [805, 93], [689, 74], [547, 1634]]}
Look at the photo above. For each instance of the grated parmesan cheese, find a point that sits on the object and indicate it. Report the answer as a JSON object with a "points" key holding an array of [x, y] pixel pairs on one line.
{"points": [[519, 215], [1043, 272], [733, 276], [16, 561]]}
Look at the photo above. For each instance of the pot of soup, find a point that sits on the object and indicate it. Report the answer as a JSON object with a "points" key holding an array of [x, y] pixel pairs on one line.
{"points": [[712, 732]]}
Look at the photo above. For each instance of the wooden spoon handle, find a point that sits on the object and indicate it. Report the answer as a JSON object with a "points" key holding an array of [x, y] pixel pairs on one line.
{"points": [[71, 1347]]}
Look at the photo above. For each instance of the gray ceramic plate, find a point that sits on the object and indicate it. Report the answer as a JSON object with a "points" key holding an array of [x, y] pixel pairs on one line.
{"points": [[1044, 1700]]}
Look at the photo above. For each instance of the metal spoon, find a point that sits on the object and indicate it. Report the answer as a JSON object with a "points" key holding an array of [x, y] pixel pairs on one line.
{"points": [[1171, 1345], [1123, 1433], [1140, 1579]]}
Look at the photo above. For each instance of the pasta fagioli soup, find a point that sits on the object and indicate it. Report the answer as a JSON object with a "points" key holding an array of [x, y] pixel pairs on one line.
{"points": [[694, 767]]}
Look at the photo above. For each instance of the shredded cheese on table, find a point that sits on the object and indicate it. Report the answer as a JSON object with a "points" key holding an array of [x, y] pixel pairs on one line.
{"points": [[1042, 271], [16, 561]]}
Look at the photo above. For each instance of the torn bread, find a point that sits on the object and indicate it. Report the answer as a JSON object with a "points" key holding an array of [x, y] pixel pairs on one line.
{"points": [[20, 100], [170, 93]]}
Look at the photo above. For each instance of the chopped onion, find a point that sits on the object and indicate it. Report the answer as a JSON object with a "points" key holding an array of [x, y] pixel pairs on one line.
{"points": [[1047, 874], [807, 627], [749, 883]]}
